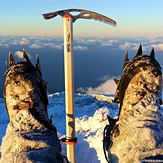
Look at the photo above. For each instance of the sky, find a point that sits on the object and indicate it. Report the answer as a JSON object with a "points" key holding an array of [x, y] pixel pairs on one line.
{"points": [[141, 18], [98, 48]]}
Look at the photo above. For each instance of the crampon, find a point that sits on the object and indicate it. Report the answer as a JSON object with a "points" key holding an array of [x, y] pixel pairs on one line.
{"points": [[30, 136], [137, 135]]}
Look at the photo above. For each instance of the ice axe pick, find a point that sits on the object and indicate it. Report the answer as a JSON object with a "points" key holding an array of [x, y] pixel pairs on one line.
{"points": [[69, 17]]}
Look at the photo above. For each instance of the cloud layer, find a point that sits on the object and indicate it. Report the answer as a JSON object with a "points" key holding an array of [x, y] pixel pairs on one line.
{"points": [[81, 44], [107, 87]]}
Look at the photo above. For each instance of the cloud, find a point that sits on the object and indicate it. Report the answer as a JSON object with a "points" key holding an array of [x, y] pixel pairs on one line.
{"points": [[108, 43], [134, 46], [4, 45], [53, 45], [4, 42], [147, 44], [129, 45], [107, 87], [46, 45], [23, 41], [82, 43], [79, 47], [36, 46], [158, 47], [58, 46], [155, 40], [19, 54], [98, 42], [125, 45], [34, 42], [20, 41], [87, 41]]}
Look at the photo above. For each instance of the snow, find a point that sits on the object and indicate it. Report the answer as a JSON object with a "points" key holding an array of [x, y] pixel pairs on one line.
{"points": [[85, 105], [91, 117], [3, 119]]}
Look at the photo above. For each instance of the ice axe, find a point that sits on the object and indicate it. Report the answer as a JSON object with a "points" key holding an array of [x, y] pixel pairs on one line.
{"points": [[69, 18]]}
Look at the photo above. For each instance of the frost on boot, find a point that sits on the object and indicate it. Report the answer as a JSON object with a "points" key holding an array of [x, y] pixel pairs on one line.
{"points": [[30, 136], [138, 133]]}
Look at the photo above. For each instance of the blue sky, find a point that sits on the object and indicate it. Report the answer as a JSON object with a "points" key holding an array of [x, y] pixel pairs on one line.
{"points": [[98, 47], [134, 18]]}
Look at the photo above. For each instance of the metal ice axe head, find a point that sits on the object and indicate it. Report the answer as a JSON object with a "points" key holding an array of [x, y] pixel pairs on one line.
{"points": [[84, 14]]}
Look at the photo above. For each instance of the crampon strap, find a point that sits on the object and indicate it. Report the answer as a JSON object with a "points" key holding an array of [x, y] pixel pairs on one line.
{"points": [[69, 141], [107, 136]]}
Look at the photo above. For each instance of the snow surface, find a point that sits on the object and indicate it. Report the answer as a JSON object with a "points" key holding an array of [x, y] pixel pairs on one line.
{"points": [[91, 117]]}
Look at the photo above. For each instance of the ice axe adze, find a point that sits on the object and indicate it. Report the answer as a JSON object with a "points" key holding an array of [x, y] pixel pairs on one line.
{"points": [[69, 19]]}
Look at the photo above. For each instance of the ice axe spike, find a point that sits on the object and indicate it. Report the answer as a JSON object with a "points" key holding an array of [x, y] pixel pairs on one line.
{"points": [[84, 14], [69, 19]]}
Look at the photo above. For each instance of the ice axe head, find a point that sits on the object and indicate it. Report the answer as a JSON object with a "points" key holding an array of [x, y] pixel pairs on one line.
{"points": [[84, 14]]}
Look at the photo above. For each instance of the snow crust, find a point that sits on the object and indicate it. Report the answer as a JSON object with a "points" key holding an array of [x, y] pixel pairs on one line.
{"points": [[91, 117]]}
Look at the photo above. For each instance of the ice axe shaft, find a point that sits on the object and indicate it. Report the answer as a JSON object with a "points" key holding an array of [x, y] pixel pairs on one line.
{"points": [[69, 19], [69, 85]]}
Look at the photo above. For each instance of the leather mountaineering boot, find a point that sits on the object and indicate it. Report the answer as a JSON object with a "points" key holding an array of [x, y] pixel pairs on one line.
{"points": [[30, 136], [138, 132]]}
